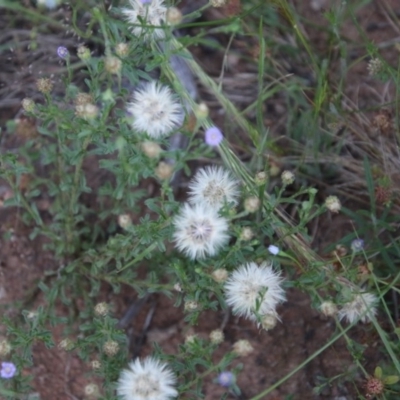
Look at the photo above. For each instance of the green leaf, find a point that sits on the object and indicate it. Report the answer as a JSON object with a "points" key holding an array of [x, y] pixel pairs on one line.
{"points": [[391, 380], [378, 372]]}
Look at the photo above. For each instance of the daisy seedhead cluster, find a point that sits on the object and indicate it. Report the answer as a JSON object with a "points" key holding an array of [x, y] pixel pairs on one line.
{"points": [[213, 186], [153, 13], [149, 379], [155, 111], [254, 291], [200, 231]]}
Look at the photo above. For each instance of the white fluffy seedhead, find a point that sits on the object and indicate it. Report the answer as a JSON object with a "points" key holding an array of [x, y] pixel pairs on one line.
{"points": [[147, 380], [200, 231], [254, 291], [155, 110], [146, 18], [213, 186]]}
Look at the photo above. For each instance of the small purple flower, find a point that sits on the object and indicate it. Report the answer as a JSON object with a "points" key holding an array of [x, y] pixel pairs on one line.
{"points": [[274, 250], [146, 1], [8, 370], [357, 245], [226, 379], [62, 52], [213, 136]]}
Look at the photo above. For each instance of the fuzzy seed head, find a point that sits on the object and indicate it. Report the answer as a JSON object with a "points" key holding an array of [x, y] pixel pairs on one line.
{"points": [[44, 85], [252, 204], [113, 65], [174, 16], [374, 387], [200, 231], [332, 203], [101, 309], [361, 307], [328, 308], [28, 105], [152, 12], [151, 149], [213, 186], [287, 178], [217, 336], [246, 234], [155, 111], [124, 221], [91, 390], [147, 379], [122, 49], [164, 170], [254, 291], [83, 53], [261, 178], [242, 348], [110, 348], [5, 347], [220, 275]]}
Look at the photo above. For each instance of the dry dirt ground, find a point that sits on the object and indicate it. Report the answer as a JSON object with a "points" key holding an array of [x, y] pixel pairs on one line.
{"points": [[61, 375]]}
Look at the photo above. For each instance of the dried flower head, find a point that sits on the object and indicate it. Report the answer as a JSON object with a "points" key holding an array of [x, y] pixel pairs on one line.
{"points": [[252, 204], [287, 178], [151, 149], [254, 291], [153, 13], [164, 170], [91, 390], [213, 186], [111, 348], [200, 231], [82, 99], [213, 136], [246, 234], [217, 336], [122, 49], [174, 16], [101, 309], [332, 203], [28, 105], [113, 65], [8, 370], [220, 275], [124, 221], [155, 111], [328, 308], [374, 387], [86, 111], [95, 364], [5, 347], [383, 121], [269, 321], [66, 344], [261, 178], [44, 85], [361, 307], [242, 348], [149, 379], [83, 53], [375, 66]]}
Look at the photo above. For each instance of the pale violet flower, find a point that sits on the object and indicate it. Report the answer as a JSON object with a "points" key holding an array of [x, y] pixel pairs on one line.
{"points": [[213, 136], [213, 186], [62, 52], [361, 307], [153, 13], [200, 231], [254, 291], [274, 250], [148, 379], [226, 379], [357, 245], [155, 110], [8, 370]]}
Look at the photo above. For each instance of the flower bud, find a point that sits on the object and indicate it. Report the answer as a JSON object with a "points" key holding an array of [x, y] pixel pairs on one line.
{"points": [[287, 178], [164, 171], [28, 105], [101, 309], [44, 85], [83, 53], [217, 336], [111, 348], [124, 221], [113, 65], [174, 16], [151, 149], [333, 204], [328, 308], [122, 50], [246, 234], [220, 275], [242, 348], [252, 204]]}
